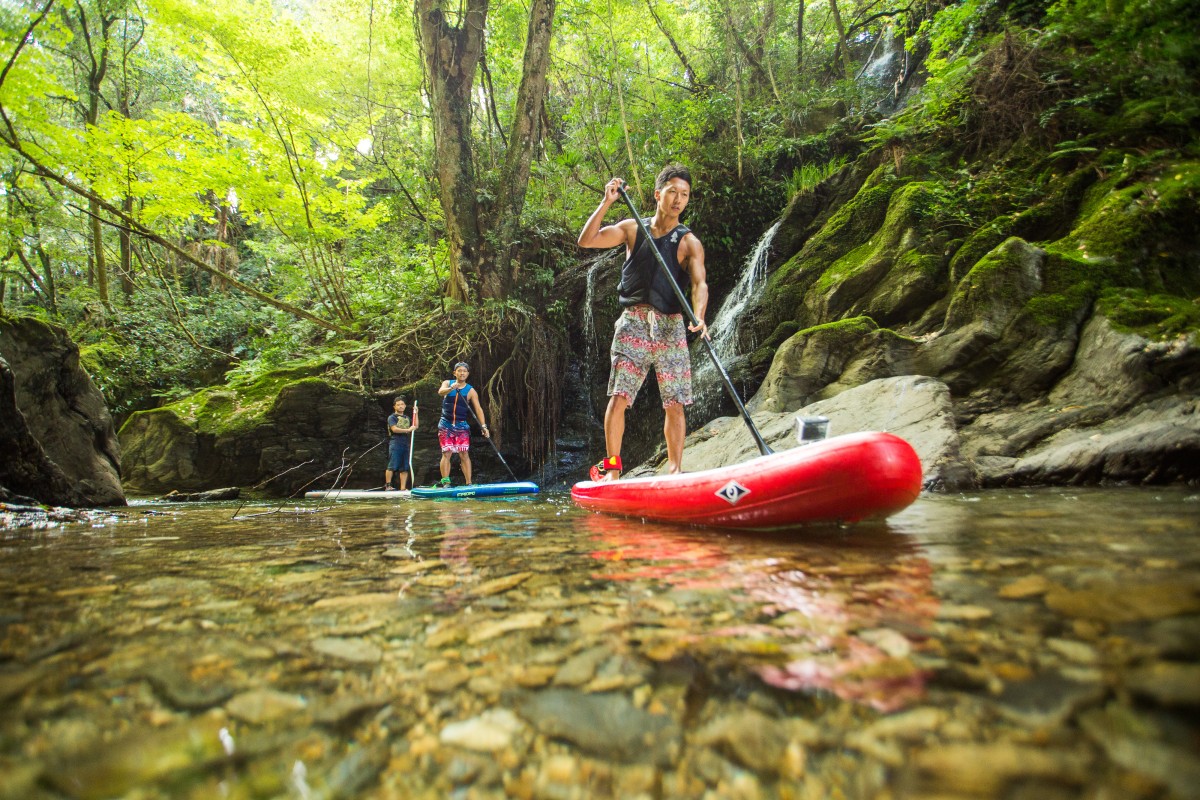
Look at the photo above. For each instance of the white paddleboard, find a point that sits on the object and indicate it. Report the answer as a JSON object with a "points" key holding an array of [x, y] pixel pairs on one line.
{"points": [[358, 494]]}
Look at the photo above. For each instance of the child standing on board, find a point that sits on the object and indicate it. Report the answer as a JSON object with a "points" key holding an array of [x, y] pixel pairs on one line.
{"points": [[400, 430]]}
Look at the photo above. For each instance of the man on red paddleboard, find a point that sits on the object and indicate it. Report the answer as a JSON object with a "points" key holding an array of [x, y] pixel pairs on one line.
{"points": [[651, 331]]}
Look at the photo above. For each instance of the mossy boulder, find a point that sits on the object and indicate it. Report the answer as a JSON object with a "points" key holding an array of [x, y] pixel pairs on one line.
{"points": [[1115, 368], [895, 274], [808, 211], [1046, 221], [822, 361], [854, 223], [1143, 230], [276, 433], [1126, 410], [993, 334]]}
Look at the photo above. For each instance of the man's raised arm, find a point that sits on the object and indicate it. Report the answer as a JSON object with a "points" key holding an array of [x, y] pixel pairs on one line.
{"points": [[595, 236]]}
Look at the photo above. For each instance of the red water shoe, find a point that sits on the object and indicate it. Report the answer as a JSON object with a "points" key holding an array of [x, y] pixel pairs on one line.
{"points": [[612, 463]]}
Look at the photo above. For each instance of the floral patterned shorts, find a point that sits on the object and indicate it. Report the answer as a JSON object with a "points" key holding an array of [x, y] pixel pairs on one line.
{"points": [[644, 338], [454, 437]]}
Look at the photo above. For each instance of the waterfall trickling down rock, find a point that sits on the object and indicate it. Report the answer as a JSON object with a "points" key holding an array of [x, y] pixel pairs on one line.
{"points": [[728, 342], [593, 347], [887, 66], [589, 317], [884, 64]]}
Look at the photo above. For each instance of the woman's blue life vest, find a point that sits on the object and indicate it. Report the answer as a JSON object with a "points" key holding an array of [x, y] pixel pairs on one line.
{"points": [[456, 409], [642, 279]]}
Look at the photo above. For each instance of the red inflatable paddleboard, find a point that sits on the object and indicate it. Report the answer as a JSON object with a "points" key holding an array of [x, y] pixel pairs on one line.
{"points": [[844, 479]]}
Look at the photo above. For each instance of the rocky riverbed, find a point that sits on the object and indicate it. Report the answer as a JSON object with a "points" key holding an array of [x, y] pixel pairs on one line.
{"points": [[1044, 644]]}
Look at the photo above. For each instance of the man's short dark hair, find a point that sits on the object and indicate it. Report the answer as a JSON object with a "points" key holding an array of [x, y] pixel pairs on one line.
{"points": [[671, 171], [399, 399]]}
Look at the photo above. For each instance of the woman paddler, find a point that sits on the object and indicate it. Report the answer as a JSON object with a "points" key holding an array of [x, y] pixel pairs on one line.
{"points": [[459, 399]]}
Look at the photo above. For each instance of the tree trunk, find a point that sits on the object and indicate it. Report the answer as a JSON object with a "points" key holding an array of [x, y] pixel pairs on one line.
{"points": [[48, 284], [689, 74], [760, 73], [451, 59], [522, 143], [124, 96], [126, 250], [42, 285], [841, 29], [99, 264], [800, 38], [96, 51]]}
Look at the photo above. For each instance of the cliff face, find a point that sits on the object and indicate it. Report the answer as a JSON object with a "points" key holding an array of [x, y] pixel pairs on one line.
{"points": [[57, 436]]}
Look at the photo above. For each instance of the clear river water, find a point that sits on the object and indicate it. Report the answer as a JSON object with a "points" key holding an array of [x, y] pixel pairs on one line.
{"points": [[1019, 644]]}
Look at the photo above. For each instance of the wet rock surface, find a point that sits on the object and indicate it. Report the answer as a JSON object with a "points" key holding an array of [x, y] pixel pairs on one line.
{"points": [[210, 496], [278, 440], [1042, 644], [58, 439]]}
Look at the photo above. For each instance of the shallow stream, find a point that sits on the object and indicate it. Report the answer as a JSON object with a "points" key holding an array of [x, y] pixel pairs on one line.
{"points": [[1034, 644]]}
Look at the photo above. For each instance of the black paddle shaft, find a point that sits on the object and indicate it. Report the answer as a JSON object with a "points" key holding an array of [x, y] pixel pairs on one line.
{"points": [[691, 315], [493, 444]]}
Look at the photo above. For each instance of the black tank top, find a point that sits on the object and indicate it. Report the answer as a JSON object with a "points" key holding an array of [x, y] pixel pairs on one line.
{"points": [[642, 279]]}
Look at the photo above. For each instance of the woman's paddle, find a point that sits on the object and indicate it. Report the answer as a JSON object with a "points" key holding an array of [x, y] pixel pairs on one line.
{"points": [[691, 315], [493, 444]]}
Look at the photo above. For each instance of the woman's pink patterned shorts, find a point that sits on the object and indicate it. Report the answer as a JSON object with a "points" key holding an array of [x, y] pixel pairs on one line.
{"points": [[454, 440]]}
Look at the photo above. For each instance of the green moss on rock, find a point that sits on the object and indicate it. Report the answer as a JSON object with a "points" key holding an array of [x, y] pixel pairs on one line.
{"points": [[983, 241], [101, 358], [928, 265], [851, 224], [1146, 226], [846, 267], [230, 409], [896, 268], [1046, 220], [999, 283], [1153, 316], [1052, 309], [842, 329]]}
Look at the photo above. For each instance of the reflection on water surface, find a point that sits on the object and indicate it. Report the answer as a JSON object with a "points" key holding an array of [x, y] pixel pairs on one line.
{"points": [[1036, 644]]}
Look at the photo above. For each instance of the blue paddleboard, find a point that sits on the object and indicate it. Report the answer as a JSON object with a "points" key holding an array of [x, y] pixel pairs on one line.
{"points": [[477, 490]]}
